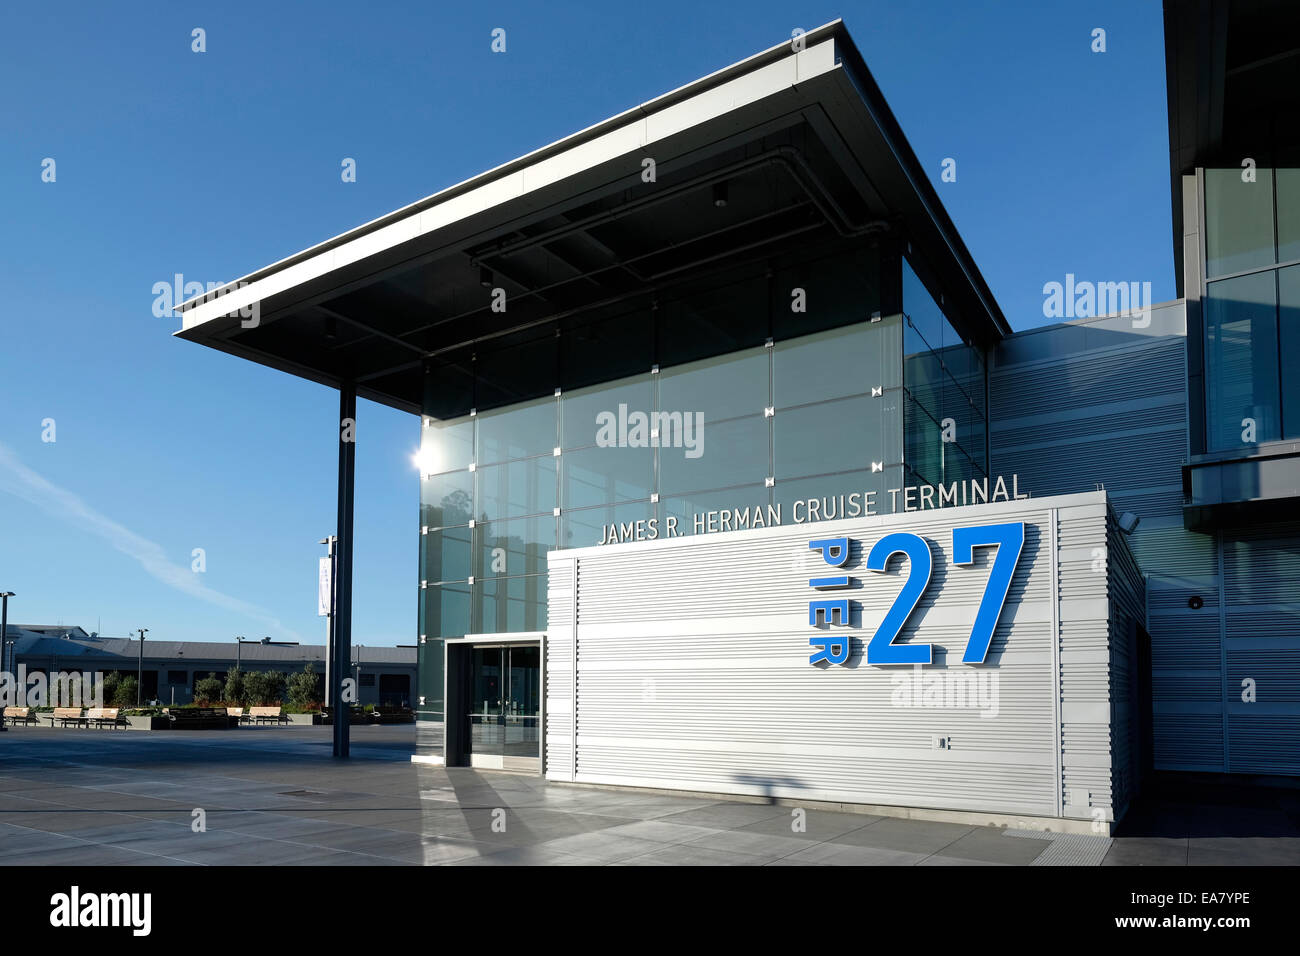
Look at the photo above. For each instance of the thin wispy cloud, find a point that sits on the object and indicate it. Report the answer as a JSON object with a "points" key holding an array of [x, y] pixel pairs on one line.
{"points": [[19, 480]]}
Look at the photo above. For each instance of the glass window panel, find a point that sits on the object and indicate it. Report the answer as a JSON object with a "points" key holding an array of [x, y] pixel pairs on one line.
{"points": [[716, 315], [517, 368], [968, 427], [1241, 360], [1289, 313], [597, 476], [446, 610], [842, 435], [830, 487], [685, 509], [723, 387], [840, 289], [925, 330], [925, 379], [447, 499], [503, 605], [446, 446], [923, 442], [1288, 214], [729, 453], [449, 386], [618, 344], [583, 412], [588, 527], [518, 431], [958, 465], [964, 383], [447, 555], [1238, 221], [518, 546], [516, 488], [430, 680], [845, 361]]}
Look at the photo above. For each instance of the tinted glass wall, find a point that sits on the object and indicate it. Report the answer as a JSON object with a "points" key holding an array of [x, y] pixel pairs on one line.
{"points": [[760, 386], [1252, 307], [944, 394]]}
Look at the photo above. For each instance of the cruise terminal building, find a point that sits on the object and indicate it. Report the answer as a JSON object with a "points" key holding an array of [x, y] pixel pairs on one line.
{"points": [[735, 479]]}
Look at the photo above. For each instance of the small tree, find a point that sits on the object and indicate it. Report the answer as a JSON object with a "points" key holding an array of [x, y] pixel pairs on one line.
{"points": [[276, 685], [110, 686], [208, 689], [302, 688], [254, 687], [264, 687], [234, 690], [124, 693]]}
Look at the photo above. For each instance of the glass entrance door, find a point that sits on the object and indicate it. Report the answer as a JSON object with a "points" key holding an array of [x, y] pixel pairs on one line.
{"points": [[486, 731], [505, 706], [523, 707]]}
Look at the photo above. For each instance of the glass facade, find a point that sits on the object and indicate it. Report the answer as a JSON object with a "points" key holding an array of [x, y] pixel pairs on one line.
{"points": [[945, 410], [1252, 307], [730, 397]]}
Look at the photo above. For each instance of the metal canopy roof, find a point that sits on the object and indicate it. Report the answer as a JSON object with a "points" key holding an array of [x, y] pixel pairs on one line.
{"points": [[803, 139]]}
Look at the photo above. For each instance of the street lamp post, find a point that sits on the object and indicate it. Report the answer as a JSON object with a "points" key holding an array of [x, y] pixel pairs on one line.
{"points": [[4, 617], [358, 669], [4, 636], [239, 643], [139, 668]]}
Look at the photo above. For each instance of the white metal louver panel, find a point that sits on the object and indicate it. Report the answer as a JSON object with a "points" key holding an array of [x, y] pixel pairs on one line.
{"points": [[693, 669]]}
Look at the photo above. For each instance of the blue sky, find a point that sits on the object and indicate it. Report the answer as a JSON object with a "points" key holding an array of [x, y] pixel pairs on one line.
{"points": [[214, 164]]}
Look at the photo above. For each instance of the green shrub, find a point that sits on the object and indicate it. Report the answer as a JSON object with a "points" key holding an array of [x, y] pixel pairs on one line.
{"points": [[303, 688], [277, 684], [208, 689], [234, 690], [124, 693], [111, 681], [264, 687]]}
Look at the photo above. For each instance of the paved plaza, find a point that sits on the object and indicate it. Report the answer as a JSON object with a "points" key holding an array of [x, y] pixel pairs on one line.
{"points": [[276, 796]]}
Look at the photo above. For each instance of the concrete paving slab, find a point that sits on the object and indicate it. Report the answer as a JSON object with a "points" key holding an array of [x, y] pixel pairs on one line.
{"points": [[277, 797]]}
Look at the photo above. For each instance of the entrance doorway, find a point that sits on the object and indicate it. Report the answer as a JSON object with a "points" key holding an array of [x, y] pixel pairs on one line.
{"points": [[503, 707]]}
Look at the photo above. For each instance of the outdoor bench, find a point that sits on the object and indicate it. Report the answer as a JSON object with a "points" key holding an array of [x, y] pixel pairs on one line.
{"points": [[16, 715], [267, 715], [105, 717], [67, 715]]}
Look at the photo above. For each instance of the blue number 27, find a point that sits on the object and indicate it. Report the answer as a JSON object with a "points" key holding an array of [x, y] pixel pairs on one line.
{"points": [[1008, 538]]}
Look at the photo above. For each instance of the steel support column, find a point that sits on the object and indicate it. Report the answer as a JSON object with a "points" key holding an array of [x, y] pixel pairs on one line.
{"points": [[343, 564]]}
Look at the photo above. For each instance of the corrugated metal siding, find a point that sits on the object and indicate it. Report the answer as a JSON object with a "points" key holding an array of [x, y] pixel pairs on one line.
{"points": [[1127, 613], [1102, 402], [558, 672], [693, 670], [1261, 613]]}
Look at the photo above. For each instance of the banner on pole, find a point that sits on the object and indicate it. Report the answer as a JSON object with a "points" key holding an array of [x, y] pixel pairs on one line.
{"points": [[324, 589]]}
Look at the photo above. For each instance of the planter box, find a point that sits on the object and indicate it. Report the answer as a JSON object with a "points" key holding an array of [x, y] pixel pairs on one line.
{"points": [[149, 723]]}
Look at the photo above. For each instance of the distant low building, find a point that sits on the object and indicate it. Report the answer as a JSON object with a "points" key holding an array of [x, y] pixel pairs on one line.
{"points": [[385, 675]]}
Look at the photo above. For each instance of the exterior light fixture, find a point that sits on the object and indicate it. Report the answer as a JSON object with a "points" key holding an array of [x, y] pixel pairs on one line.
{"points": [[720, 195], [485, 277]]}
